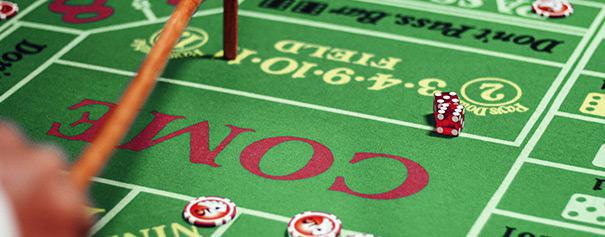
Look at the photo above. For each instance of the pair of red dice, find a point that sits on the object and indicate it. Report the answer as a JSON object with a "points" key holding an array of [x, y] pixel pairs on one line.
{"points": [[449, 113]]}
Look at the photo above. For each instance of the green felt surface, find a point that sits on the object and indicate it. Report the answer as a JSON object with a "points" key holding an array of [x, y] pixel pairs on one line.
{"points": [[106, 197], [597, 62], [497, 226], [265, 227], [531, 195], [132, 220], [556, 146], [326, 89]]}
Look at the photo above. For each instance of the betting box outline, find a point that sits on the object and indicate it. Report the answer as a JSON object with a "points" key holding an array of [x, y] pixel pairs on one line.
{"points": [[490, 209]]}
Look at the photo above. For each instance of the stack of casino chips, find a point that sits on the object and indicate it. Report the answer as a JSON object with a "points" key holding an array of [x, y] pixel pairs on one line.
{"points": [[448, 113]]}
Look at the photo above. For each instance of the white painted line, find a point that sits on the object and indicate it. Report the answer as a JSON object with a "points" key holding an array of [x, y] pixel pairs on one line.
{"points": [[96, 68], [550, 222], [599, 158], [50, 28], [222, 229], [145, 7], [493, 202], [149, 14], [22, 14], [264, 215], [593, 73], [295, 103], [143, 189], [565, 167], [346, 233], [558, 80], [9, 31], [378, 34], [208, 12], [42, 67], [283, 101], [242, 210], [114, 211], [589, 3], [134, 24], [488, 139], [283, 219], [581, 117], [534, 24], [342, 29]]}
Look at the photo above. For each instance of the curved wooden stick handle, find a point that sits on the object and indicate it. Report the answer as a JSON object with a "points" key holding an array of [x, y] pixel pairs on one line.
{"points": [[96, 155]]}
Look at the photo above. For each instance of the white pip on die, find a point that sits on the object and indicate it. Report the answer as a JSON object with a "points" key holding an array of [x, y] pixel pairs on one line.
{"points": [[585, 208], [445, 98]]}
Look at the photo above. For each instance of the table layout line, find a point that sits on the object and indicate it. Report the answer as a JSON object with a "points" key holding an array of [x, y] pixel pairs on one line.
{"points": [[142, 189], [114, 211], [201, 12], [549, 222], [41, 26], [534, 24], [22, 14], [9, 31], [135, 189], [282, 101], [144, 6], [242, 210], [559, 79], [517, 141], [395, 37], [339, 28], [16, 21], [42, 67], [493, 202], [265, 215], [325, 26], [565, 167], [149, 14], [328, 26], [140, 23], [222, 229], [593, 73], [326, 109], [589, 3], [580, 117]]}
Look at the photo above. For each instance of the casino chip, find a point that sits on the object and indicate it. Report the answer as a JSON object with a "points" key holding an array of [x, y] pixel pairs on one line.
{"points": [[552, 8], [209, 211], [312, 223], [8, 9]]}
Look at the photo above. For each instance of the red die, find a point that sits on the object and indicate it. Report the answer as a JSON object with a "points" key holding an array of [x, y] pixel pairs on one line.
{"points": [[448, 115], [448, 131]]}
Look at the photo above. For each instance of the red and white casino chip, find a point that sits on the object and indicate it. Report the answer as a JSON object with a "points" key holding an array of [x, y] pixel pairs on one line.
{"points": [[8, 9], [312, 223], [209, 211], [553, 8]]}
